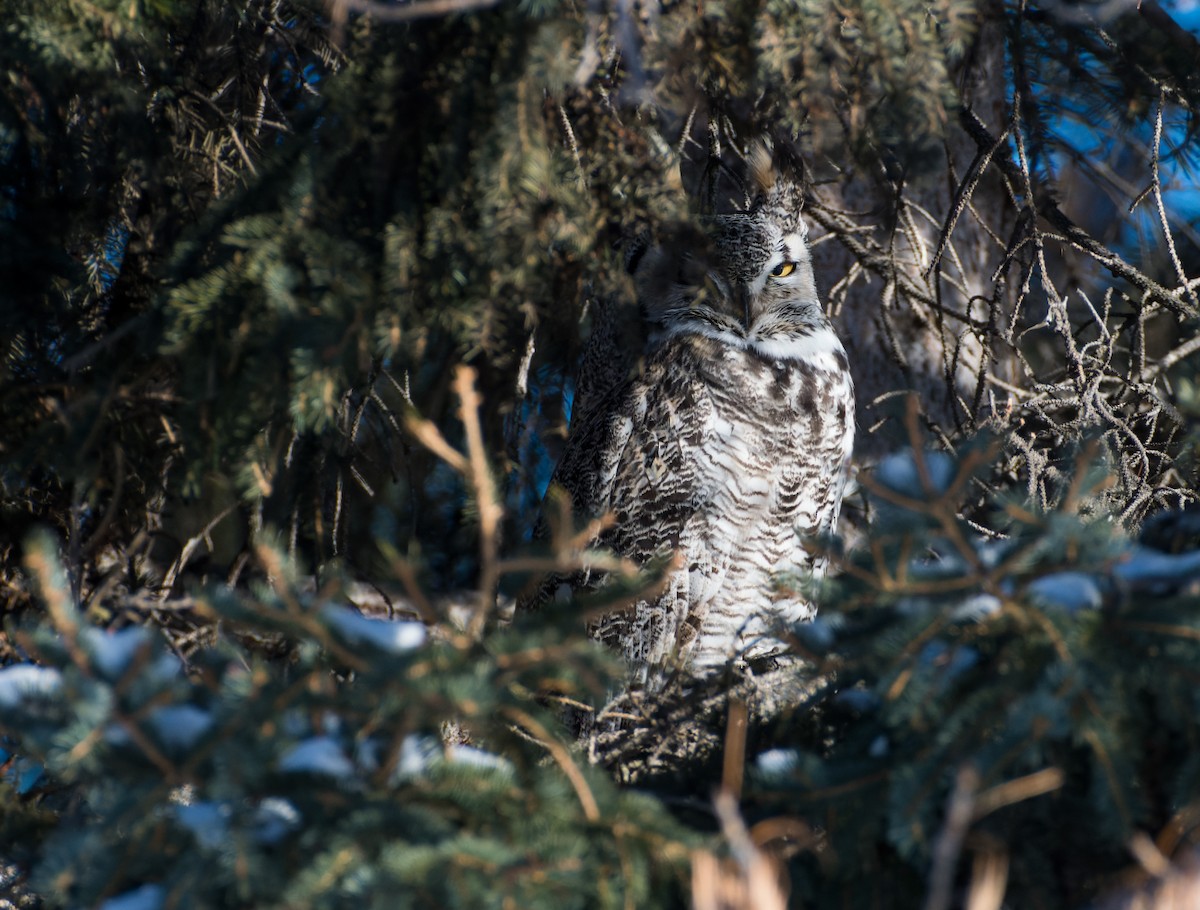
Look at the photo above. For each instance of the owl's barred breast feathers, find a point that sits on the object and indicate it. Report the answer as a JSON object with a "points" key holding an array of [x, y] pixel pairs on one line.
{"points": [[728, 448]]}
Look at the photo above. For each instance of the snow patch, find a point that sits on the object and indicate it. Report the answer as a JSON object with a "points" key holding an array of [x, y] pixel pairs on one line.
{"points": [[777, 761], [900, 473], [417, 753], [208, 822], [25, 681], [180, 726], [1144, 567], [472, 757], [818, 635], [1070, 591], [274, 819], [318, 755], [112, 652], [976, 608], [395, 637], [147, 897]]}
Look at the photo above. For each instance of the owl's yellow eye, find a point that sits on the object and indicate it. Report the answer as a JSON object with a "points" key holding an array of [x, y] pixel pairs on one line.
{"points": [[783, 270]]}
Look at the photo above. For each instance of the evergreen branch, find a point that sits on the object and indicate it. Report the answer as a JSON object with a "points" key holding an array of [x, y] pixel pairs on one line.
{"points": [[53, 586], [1161, 20], [869, 256], [143, 742], [1160, 628], [474, 469], [1113, 779], [566, 561], [402, 570], [277, 572], [418, 9], [1180, 353]]}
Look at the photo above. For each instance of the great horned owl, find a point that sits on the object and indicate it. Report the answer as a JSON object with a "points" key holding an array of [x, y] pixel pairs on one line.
{"points": [[727, 448]]}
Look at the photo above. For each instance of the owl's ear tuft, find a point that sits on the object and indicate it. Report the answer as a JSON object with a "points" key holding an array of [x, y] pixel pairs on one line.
{"points": [[762, 169], [777, 179]]}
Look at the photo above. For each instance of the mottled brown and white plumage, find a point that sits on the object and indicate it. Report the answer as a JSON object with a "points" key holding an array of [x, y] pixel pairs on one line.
{"points": [[727, 448]]}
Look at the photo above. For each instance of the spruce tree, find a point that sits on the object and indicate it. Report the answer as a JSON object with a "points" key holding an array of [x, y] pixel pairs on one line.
{"points": [[248, 247]]}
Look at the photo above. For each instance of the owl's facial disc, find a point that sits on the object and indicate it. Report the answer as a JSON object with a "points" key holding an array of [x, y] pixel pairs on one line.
{"points": [[780, 267]]}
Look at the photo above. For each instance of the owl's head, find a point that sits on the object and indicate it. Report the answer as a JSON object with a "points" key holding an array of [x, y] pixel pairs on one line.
{"points": [[747, 275]]}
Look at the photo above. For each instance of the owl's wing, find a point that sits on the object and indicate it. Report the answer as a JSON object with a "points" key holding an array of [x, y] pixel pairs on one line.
{"points": [[610, 358], [629, 454]]}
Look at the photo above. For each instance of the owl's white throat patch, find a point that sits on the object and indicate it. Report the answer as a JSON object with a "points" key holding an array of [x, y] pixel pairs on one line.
{"points": [[818, 348]]}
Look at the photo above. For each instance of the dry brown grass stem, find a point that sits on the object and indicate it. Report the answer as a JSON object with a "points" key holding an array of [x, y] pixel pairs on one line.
{"points": [[748, 880], [989, 880], [1014, 791], [960, 809], [734, 769], [474, 469], [189, 549], [479, 477]]}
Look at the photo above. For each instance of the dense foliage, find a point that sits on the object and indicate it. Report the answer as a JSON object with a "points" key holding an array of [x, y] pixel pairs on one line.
{"points": [[247, 245]]}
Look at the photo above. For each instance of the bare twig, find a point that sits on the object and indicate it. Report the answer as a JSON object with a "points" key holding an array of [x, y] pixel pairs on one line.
{"points": [[523, 369], [1156, 184], [1074, 234], [189, 548], [962, 196]]}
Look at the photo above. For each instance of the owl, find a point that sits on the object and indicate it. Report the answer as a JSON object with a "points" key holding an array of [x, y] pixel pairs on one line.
{"points": [[725, 448]]}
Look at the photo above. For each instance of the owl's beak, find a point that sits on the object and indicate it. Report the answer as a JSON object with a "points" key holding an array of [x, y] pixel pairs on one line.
{"points": [[741, 296]]}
